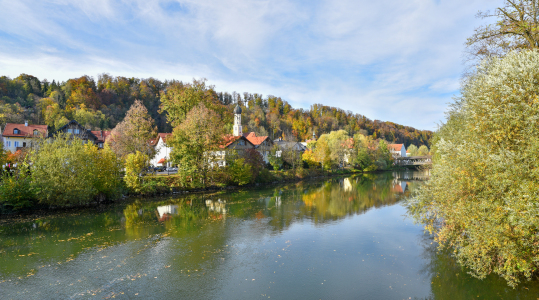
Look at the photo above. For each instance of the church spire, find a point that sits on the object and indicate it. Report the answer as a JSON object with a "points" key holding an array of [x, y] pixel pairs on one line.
{"points": [[237, 121]]}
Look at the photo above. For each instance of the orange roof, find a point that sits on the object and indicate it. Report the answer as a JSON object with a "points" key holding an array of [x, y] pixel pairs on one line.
{"points": [[153, 142], [101, 135], [164, 136], [395, 147], [162, 160], [24, 130], [229, 139], [255, 140]]}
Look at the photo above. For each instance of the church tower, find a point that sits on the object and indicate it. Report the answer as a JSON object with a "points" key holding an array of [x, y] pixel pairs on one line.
{"points": [[237, 121]]}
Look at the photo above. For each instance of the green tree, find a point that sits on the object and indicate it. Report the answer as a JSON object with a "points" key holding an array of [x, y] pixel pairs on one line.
{"points": [[481, 199], [16, 190], [134, 132], [195, 141], [65, 171], [240, 173], [180, 99], [413, 150], [134, 170], [423, 150], [383, 159], [276, 158]]}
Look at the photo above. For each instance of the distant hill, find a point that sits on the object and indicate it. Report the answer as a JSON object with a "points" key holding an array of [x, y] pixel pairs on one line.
{"points": [[103, 104]]}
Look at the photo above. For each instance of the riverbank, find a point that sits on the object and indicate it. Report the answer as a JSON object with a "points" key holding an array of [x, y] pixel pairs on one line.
{"points": [[160, 185]]}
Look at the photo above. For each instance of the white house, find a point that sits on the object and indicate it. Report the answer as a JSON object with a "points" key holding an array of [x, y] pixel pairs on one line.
{"points": [[162, 151], [18, 136], [397, 150]]}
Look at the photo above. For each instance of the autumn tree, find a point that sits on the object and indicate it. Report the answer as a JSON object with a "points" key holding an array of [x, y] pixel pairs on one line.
{"points": [[134, 167], [423, 150], [134, 132], [413, 150], [179, 99], [516, 27], [194, 141], [65, 171], [481, 199]]}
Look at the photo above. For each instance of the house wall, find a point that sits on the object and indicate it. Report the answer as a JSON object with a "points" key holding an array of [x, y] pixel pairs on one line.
{"points": [[162, 151], [265, 150], [9, 142]]}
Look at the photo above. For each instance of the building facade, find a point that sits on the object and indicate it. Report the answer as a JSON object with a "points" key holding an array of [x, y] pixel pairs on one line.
{"points": [[19, 136]]}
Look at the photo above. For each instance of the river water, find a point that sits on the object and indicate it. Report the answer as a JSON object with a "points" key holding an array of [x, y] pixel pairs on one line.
{"points": [[346, 238]]}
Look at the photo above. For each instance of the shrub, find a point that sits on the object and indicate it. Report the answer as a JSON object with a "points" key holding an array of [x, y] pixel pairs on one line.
{"points": [[134, 167], [16, 191], [65, 171], [482, 198]]}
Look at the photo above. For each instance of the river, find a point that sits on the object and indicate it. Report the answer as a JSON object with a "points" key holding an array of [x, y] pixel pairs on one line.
{"points": [[341, 238]]}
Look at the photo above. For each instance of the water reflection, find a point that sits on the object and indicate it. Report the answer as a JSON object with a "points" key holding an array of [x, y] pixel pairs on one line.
{"points": [[62, 237], [205, 244]]}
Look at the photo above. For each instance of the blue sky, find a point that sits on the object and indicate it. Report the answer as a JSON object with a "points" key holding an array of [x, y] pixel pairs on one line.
{"points": [[390, 60]]}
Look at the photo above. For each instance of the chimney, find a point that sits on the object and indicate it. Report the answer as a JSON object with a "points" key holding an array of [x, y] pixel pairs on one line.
{"points": [[26, 123]]}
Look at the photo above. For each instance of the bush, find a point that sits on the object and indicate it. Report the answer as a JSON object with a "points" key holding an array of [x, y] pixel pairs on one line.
{"points": [[134, 167], [65, 171], [16, 191], [482, 198]]}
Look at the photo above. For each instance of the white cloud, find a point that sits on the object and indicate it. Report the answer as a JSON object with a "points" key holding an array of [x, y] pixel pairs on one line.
{"points": [[388, 59]]}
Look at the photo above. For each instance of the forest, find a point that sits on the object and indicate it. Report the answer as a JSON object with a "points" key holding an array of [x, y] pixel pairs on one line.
{"points": [[102, 104]]}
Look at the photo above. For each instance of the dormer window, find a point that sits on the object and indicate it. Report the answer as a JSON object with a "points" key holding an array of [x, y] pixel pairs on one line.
{"points": [[16, 131], [36, 132]]}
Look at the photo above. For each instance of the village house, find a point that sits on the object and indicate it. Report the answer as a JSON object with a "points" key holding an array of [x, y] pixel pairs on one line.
{"points": [[397, 150], [101, 137], [289, 146], [241, 142], [162, 150], [19, 136], [73, 128]]}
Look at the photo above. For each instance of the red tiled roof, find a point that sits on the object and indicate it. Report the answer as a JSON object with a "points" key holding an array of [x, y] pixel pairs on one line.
{"points": [[395, 147], [101, 135], [164, 136], [153, 142], [229, 139], [24, 130], [162, 160], [255, 140]]}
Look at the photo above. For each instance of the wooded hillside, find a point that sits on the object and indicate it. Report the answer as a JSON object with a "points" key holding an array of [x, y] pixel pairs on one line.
{"points": [[103, 104]]}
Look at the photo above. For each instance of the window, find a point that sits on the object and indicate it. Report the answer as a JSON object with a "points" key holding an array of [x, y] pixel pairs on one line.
{"points": [[24, 144], [70, 130], [36, 132], [16, 144], [100, 145], [8, 143], [16, 131], [77, 131], [241, 143]]}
